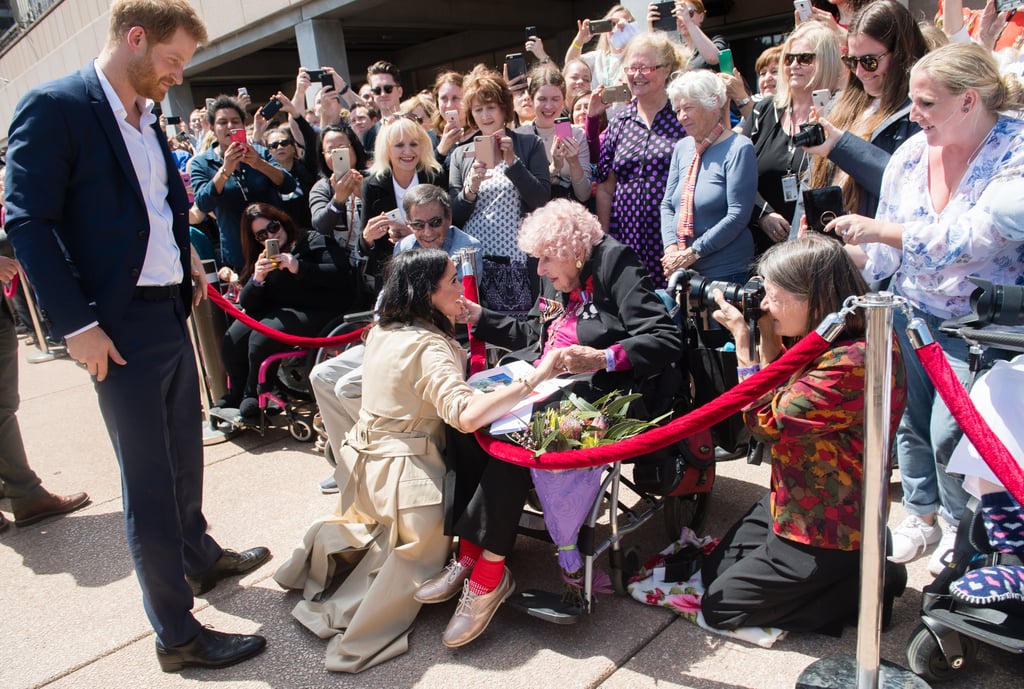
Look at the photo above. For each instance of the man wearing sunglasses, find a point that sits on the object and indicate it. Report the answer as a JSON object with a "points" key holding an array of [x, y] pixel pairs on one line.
{"points": [[382, 77], [338, 383]]}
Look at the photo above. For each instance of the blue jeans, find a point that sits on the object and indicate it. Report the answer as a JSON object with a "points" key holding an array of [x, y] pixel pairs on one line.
{"points": [[927, 432]]}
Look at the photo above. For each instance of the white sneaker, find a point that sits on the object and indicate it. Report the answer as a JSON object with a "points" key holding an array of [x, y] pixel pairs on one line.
{"points": [[912, 537], [944, 551]]}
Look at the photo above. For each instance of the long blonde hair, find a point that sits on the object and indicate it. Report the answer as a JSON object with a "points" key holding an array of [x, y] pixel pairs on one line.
{"points": [[397, 129], [827, 64]]}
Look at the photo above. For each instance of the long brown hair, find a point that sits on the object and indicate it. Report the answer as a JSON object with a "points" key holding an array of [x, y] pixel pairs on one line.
{"points": [[892, 25]]}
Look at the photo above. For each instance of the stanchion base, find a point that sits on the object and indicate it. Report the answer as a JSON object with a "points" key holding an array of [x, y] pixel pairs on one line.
{"points": [[43, 357], [840, 672], [216, 432]]}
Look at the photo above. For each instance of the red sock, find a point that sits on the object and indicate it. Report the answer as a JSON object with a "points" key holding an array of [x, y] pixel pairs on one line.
{"points": [[486, 575], [469, 553]]}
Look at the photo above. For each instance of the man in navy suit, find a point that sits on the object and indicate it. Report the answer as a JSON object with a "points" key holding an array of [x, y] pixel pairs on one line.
{"points": [[97, 214]]}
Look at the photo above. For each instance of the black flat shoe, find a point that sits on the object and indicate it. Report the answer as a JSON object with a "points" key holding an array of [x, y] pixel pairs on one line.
{"points": [[230, 564], [210, 649]]}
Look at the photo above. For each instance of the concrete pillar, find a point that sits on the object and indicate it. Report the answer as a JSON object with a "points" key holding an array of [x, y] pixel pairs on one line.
{"points": [[179, 101], [322, 44]]}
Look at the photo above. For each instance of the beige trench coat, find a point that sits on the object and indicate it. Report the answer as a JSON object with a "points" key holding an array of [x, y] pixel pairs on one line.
{"points": [[386, 537]]}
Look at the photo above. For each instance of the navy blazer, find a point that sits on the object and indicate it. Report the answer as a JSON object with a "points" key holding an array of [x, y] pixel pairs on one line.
{"points": [[75, 211]]}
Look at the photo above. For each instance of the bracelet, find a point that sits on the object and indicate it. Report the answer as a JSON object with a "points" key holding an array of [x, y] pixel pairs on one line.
{"points": [[576, 45], [345, 90], [742, 103], [526, 383], [609, 359], [747, 371]]}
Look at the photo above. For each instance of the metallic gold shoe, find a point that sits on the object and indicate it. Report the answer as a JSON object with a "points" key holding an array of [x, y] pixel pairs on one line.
{"points": [[474, 612], [445, 585]]}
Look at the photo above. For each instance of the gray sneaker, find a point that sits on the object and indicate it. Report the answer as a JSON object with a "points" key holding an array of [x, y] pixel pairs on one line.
{"points": [[329, 485]]}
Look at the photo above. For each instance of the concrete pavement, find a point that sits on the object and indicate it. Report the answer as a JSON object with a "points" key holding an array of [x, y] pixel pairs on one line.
{"points": [[73, 618]]}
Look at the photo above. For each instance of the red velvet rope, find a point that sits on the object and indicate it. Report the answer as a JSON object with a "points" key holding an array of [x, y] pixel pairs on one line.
{"points": [[730, 402], [11, 288], [277, 335], [477, 347], [991, 449]]}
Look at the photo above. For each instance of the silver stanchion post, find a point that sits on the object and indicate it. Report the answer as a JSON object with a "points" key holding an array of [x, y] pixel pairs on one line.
{"points": [[47, 351], [207, 326], [867, 669]]}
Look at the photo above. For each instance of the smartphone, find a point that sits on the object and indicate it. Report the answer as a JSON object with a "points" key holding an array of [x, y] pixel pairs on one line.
{"points": [[341, 160], [1004, 5], [666, 20], [452, 117], [272, 247], [616, 94], [173, 119], [270, 109], [516, 64], [563, 128], [242, 91], [326, 80], [601, 25], [531, 31], [822, 206], [395, 216], [820, 99], [803, 8], [485, 150], [238, 136], [210, 102], [315, 74], [725, 65]]}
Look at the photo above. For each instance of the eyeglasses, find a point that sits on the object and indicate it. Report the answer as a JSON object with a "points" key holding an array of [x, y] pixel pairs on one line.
{"points": [[417, 225], [868, 62], [801, 58], [276, 144], [386, 88], [273, 227], [642, 70]]}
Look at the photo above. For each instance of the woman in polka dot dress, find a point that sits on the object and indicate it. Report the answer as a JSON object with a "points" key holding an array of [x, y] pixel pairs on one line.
{"points": [[636, 152]]}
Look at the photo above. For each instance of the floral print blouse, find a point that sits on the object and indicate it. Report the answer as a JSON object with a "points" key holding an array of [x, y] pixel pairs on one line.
{"points": [[814, 426], [980, 231]]}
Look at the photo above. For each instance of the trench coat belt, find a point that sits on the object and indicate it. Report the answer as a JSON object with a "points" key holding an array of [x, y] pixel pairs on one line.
{"points": [[389, 443]]}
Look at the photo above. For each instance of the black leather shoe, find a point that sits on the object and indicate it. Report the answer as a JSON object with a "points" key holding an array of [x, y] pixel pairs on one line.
{"points": [[210, 649], [230, 564]]}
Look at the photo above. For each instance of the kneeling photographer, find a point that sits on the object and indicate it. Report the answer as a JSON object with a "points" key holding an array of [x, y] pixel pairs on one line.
{"points": [[792, 561]]}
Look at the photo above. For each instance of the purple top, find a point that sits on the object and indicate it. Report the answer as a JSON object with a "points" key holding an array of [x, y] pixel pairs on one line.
{"points": [[640, 158]]}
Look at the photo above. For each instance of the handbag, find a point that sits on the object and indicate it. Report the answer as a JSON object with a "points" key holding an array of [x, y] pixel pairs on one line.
{"points": [[712, 372]]}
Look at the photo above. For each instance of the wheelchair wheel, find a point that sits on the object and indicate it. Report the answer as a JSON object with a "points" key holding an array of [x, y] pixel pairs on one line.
{"points": [[927, 660], [301, 430], [624, 567], [685, 510]]}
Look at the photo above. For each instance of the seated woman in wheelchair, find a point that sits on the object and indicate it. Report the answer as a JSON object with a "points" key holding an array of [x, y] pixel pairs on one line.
{"points": [[792, 561], [296, 290], [596, 301]]}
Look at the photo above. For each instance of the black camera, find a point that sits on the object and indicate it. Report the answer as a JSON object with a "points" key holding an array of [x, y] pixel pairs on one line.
{"points": [[810, 134], [747, 298], [1000, 304]]}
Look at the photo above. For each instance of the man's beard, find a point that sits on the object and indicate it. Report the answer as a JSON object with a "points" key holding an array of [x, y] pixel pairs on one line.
{"points": [[144, 78]]}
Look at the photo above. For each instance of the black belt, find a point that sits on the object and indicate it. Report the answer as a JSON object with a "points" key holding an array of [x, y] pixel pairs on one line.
{"points": [[157, 292]]}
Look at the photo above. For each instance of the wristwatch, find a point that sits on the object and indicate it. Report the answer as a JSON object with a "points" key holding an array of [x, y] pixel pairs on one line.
{"points": [[741, 103]]}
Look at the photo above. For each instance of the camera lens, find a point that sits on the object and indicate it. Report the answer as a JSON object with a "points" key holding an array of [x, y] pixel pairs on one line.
{"points": [[1001, 304], [810, 134]]}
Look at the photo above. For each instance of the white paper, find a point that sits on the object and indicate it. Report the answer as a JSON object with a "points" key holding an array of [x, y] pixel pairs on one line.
{"points": [[519, 416]]}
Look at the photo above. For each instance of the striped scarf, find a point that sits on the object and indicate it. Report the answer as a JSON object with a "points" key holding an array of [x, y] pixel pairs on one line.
{"points": [[684, 227]]}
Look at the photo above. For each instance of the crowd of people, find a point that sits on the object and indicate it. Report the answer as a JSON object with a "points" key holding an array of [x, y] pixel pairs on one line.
{"points": [[582, 189]]}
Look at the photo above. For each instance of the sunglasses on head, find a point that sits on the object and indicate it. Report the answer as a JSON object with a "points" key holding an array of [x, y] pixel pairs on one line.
{"points": [[435, 222], [273, 227], [283, 142], [868, 62], [386, 88], [801, 58]]}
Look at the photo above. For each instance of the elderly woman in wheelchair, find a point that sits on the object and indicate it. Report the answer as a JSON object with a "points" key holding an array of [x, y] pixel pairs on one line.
{"points": [[598, 303]]}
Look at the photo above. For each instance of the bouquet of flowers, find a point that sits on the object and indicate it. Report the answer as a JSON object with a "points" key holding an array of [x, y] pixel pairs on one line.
{"points": [[578, 424]]}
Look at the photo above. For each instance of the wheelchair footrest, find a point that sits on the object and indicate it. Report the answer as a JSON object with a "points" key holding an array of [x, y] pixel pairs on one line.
{"points": [[546, 606], [1008, 635]]}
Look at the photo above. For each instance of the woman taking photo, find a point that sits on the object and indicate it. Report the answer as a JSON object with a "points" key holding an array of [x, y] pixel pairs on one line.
{"points": [[386, 536], [793, 561], [949, 208], [636, 152], [569, 158], [403, 157], [810, 61], [297, 290], [489, 198], [605, 63], [335, 201], [710, 188], [871, 118], [451, 118], [598, 305]]}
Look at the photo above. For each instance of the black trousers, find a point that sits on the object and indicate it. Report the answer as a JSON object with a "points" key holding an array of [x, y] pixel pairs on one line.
{"points": [[22, 485], [754, 578], [152, 411]]}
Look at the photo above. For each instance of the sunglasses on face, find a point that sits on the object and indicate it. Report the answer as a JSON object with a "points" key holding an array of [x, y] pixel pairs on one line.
{"points": [[642, 70], [801, 58], [868, 62], [387, 88], [418, 225], [275, 144], [273, 227]]}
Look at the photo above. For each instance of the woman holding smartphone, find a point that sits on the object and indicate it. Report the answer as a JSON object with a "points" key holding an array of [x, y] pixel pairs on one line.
{"points": [[565, 144], [605, 62], [451, 120], [335, 201], [494, 182]]}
